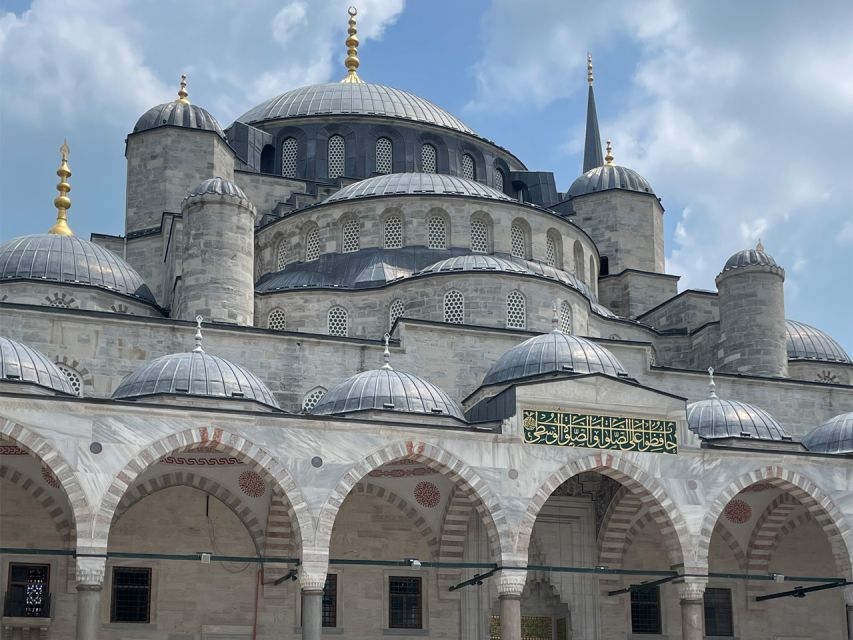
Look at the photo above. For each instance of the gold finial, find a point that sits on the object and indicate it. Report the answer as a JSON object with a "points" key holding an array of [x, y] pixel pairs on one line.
{"points": [[759, 246], [608, 159], [589, 77], [182, 92], [351, 62], [62, 202]]}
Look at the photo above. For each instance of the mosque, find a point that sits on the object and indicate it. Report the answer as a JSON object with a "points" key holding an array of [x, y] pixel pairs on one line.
{"points": [[355, 371]]}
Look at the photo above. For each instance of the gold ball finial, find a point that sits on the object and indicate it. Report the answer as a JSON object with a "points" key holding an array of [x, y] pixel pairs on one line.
{"points": [[351, 62], [608, 159], [62, 202], [182, 92], [589, 76]]}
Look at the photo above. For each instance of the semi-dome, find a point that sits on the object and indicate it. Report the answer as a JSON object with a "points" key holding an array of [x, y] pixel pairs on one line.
{"points": [[474, 262], [69, 259], [194, 373], [416, 184], [757, 257], [178, 113], [718, 418], [553, 352], [217, 187], [387, 390], [805, 342], [20, 363], [352, 98], [833, 436]]}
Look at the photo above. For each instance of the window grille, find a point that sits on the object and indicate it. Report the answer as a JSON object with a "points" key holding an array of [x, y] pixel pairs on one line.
{"points": [[28, 591], [718, 612], [277, 320], [337, 155], [397, 308], [550, 252], [454, 307], [428, 158], [645, 610], [312, 398], [565, 317], [519, 242], [330, 601], [281, 255], [338, 322], [384, 155], [60, 303], [468, 167], [405, 609], [74, 379], [498, 180], [289, 150], [516, 311], [436, 233], [479, 237], [312, 244], [131, 597], [393, 232], [351, 240]]}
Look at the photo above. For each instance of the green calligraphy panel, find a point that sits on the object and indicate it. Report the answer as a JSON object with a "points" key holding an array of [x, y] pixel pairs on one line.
{"points": [[599, 432]]}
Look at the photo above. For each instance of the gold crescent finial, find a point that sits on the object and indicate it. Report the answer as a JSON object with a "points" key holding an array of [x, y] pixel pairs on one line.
{"points": [[589, 76], [759, 246], [608, 159], [62, 202], [351, 62], [182, 92]]}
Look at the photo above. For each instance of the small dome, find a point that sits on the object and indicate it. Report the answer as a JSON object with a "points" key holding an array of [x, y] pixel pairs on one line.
{"points": [[196, 374], [716, 418], [609, 176], [833, 436], [805, 342], [554, 352], [751, 258], [418, 184], [20, 363], [387, 390], [178, 114], [59, 258], [474, 262], [218, 187]]}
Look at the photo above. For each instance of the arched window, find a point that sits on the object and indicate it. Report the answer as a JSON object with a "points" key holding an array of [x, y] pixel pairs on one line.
{"points": [[312, 244], [289, 150], [516, 311], [312, 398], [277, 320], [337, 156], [281, 255], [393, 232], [579, 271], [469, 168], [384, 155], [479, 236], [338, 322], [565, 317], [74, 379], [267, 158], [454, 307], [499, 179], [350, 240], [397, 308], [436, 233], [550, 252], [519, 241], [428, 158]]}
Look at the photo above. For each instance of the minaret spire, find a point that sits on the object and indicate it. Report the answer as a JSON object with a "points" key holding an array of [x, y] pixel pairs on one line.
{"points": [[592, 145], [62, 202], [351, 62]]}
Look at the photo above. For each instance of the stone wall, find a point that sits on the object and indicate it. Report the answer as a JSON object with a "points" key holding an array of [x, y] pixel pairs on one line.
{"points": [[689, 310], [630, 293]]}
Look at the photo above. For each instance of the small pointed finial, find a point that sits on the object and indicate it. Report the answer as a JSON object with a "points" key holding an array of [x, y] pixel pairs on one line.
{"points": [[197, 348], [759, 246], [386, 355], [589, 76], [62, 202], [555, 318], [712, 386], [182, 92], [351, 62], [608, 159]]}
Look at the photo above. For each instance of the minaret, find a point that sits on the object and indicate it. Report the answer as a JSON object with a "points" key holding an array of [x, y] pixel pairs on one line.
{"points": [[62, 202], [592, 146], [351, 62]]}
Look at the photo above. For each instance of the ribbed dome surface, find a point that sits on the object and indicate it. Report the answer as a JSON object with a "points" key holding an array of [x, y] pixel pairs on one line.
{"points": [[20, 363], [59, 258], [388, 390], [750, 258], [609, 176], [805, 342], [553, 352], [336, 98], [416, 184], [194, 374], [178, 114], [218, 187], [833, 436], [716, 418], [475, 262]]}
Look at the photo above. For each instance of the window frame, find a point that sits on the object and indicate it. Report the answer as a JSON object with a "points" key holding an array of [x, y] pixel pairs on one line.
{"points": [[731, 612], [329, 321], [516, 295], [390, 157], [443, 220], [424, 145], [444, 305], [114, 587], [46, 604], [343, 159], [658, 611], [284, 145], [421, 610]]}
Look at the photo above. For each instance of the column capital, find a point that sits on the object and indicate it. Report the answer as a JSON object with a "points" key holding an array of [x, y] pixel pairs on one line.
{"points": [[89, 572], [511, 582], [691, 588], [311, 581]]}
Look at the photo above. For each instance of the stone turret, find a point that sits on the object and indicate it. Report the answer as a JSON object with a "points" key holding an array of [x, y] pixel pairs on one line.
{"points": [[752, 315], [217, 264]]}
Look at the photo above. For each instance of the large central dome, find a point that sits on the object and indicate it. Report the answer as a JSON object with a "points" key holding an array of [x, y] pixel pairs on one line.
{"points": [[336, 98]]}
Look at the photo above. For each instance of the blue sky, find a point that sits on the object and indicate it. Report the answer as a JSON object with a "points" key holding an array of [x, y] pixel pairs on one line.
{"points": [[739, 114]]}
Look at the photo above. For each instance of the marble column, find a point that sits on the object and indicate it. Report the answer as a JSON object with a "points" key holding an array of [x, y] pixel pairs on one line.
{"points": [[510, 586], [312, 604], [691, 592], [90, 581]]}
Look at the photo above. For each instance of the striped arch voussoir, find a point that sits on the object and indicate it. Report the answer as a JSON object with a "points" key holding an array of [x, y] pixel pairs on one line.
{"points": [[61, 516], [369, 489]]}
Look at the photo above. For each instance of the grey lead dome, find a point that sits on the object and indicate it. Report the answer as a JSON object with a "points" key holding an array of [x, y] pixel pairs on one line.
{"points": [[387, 390], [609, 176], [217, 186], [178, 114], [750, 258], [20, 363], [717, 418], [805, 342], [194, 374], [833, 436], [416, 184]]}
